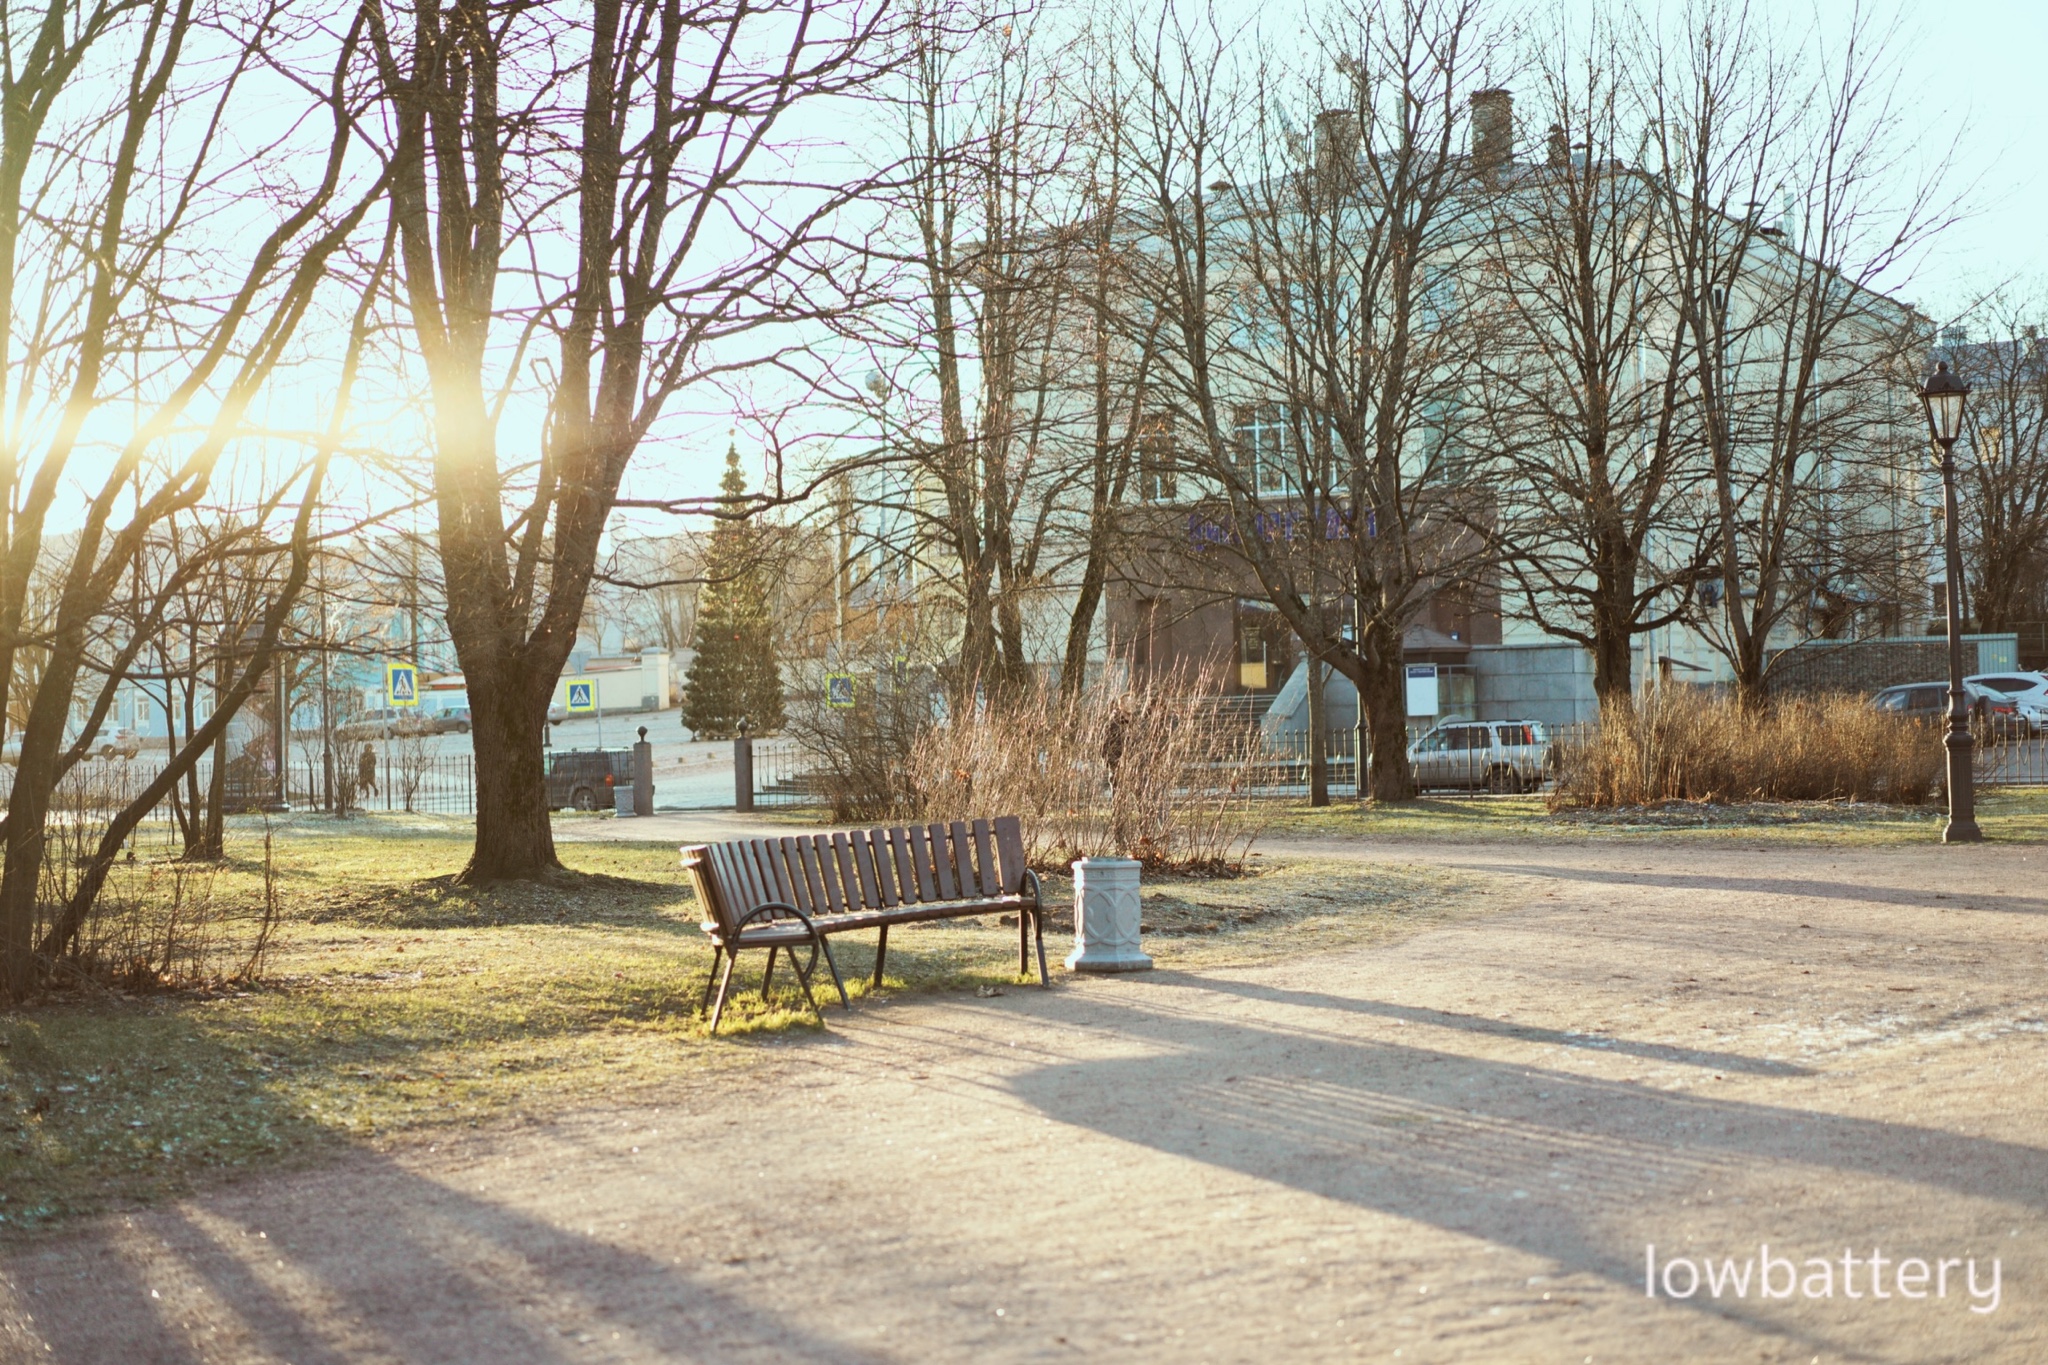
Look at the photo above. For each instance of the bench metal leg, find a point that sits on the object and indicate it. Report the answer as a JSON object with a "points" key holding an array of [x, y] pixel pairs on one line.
{"points": [[803, 979], [1023, 942], [711, 977], [1038, 930], [826, 944], [881, 952], [768, 973], [724, 984]]}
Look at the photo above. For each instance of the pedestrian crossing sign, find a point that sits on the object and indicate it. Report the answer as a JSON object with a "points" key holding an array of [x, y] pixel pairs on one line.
{"points": [[582, 696], [839, 689], [401, 684]]}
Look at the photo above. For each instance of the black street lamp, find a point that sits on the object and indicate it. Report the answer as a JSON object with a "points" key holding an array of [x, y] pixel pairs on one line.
{"points": [[1944, 397]]}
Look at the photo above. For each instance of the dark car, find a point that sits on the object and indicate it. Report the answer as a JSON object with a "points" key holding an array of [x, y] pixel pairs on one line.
{"points": [[1927, 703], [582, 779]]}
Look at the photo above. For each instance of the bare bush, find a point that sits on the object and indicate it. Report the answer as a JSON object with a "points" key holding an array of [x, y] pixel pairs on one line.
{"points": [[1147, 774], [157, 924], [407, 761], [1676, 745], [862, 754]]}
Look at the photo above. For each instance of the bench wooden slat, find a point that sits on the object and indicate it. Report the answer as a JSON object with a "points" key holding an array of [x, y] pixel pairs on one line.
{"points": [[849, 873], [921, 859], [985, 860], [963, 859], [906, 875], [763, 852], [1010, 844], [793, 873], [731, 891], [776, 873], [942, 864], [828, 873], [864, 864], [884, 858], [803, 856], [750, 875], [759, 891], [697, 862]]}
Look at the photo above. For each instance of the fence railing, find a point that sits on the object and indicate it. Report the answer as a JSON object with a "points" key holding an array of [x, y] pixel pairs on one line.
{"points": [[787, 774]]}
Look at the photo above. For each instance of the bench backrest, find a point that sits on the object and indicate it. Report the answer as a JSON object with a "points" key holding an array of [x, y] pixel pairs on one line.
{"points": [[861, 869]]}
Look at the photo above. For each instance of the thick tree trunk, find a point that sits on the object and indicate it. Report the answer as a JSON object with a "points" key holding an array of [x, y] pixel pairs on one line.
{"points": [[514, 837], [1383, 700], [1614, 643]]}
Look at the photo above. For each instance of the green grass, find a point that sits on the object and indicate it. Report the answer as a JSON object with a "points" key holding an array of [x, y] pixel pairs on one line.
{"points": [[395, 1002], [2006, 814]]}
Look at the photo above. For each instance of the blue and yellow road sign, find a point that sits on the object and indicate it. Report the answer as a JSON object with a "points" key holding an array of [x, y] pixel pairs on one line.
{"points": [[839, 689], [582, 696], [401, 684]]}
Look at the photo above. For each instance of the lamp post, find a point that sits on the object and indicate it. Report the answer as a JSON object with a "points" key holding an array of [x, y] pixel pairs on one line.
{"points": [[1944, 398]]}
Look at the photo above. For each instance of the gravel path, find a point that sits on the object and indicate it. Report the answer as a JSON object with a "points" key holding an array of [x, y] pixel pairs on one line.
{"points": [[1456, 1147]]}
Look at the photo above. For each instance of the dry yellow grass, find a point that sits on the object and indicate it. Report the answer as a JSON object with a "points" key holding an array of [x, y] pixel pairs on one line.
{"points": [[1676, 745]]}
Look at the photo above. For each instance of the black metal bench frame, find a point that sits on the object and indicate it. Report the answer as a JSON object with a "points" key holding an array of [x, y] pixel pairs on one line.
{"points": [[797, 891]]}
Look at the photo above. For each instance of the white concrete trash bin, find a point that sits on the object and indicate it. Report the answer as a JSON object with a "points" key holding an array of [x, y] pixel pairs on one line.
{"points": [[1106, 917]]}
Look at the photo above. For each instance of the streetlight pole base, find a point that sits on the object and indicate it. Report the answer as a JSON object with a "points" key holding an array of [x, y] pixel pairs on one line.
{"points": [[1962, 832]]}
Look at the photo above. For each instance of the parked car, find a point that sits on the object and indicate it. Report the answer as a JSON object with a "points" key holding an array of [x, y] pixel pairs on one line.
{"points": [[384, 722], [1927, 703], [1498, 755], [582, 779], [119, 742], [2029, 692], [454, 720], [115, 742]]}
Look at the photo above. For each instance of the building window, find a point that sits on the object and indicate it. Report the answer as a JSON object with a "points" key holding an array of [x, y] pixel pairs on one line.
{"points": [[1266, 447], [1158, 479]]}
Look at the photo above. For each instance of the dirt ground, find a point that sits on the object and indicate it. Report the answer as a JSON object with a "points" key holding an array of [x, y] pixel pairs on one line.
{"points": [[1455, 1147]]}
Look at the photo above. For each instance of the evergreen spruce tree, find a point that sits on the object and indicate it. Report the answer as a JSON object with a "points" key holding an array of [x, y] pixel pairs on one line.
{"points": [[734, 676]]}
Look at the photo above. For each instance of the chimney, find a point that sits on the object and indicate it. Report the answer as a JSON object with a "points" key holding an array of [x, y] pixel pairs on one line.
{"points": [[1336, 146], [1493, 129]]}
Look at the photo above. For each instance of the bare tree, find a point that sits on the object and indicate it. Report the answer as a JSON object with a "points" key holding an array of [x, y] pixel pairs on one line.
{"points": [[650, 161], [1787, 199], [1586, 390], [2006, 527], [112, 223], [1317, 352]]}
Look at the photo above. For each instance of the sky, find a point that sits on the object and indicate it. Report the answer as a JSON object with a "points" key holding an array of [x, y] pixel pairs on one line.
{"points": [[1976, 72]]}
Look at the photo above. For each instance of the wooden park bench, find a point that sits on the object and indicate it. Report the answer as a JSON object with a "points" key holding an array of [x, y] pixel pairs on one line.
{"points": [[797, 891]]}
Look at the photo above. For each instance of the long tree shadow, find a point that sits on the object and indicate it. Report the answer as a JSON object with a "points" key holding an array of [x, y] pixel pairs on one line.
{"points": [[1926, 898], [1704, 1058], [382, 1263], [1549, 1162]]}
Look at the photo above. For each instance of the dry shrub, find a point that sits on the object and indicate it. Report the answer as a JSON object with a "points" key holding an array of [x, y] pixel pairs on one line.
{"points": [[1147, 774], [1678, 745], [155, 925], [860, 755]]}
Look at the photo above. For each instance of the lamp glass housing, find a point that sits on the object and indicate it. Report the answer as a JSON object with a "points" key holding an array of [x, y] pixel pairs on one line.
{"points": [[1945, 396]]}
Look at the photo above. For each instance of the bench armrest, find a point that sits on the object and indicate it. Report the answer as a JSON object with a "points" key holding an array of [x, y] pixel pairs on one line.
{"points": [[775, 907], [1028, 886]]}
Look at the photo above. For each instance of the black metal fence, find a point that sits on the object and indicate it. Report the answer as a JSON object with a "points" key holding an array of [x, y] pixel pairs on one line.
{"points": [[429, 784], [787, 774]]}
